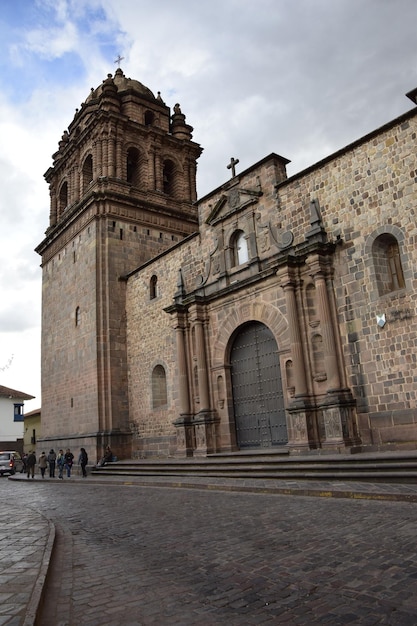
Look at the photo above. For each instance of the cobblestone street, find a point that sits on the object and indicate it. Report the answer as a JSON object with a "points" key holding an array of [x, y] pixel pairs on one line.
{"points": [[132, 555]]}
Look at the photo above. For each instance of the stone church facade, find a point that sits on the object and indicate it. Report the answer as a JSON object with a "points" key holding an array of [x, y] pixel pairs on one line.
{"points": [[275, 312]]}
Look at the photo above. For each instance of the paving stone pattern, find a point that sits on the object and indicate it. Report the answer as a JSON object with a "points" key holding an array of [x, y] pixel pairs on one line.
{"points": [[133, 555], [26, 540]]}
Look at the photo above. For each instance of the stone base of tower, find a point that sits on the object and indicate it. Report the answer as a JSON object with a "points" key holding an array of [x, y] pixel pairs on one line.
{"points": [[120, 443], [95, 443]]}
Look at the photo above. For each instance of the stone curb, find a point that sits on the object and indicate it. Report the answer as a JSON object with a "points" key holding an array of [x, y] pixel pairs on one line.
{"points": [[287, 491], [37, 593], [374, 491]]}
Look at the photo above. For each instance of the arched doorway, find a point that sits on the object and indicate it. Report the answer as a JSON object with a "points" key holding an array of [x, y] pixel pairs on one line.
{"points": [[258, 400]]}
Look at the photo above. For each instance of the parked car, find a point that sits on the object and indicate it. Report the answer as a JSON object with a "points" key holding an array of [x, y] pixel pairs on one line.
{"points": [[10, 462]]}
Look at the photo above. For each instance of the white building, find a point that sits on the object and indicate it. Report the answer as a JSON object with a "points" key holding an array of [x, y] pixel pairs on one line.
{"points": [[12, 414]]}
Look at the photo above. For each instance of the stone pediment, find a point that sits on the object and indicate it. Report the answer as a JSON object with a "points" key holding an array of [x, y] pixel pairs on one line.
{"points": [[232, 202]]}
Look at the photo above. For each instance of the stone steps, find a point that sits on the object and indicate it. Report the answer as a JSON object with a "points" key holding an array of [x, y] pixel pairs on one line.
{"points": [[383, 467]]}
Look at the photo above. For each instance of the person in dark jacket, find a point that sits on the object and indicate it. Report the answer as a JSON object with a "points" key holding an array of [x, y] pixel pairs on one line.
{"points": [[69, 460], [51, 463], [107, 458], [30, 464], [83, 460], [60, 461]]}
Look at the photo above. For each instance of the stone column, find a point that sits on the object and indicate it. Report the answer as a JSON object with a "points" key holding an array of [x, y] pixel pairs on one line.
{"points": [[185, 432], [119, 160], [204, 421], [111, 155], [297, 413], [98, 160], [158, 182], [105, 156], [151, 170], [295, 334], [73, 184], [203, 387], [77, 183], [69, 187], [53, 214], [334, 413], [182, 371], [333, 313], [192, 180], [326, 325]]}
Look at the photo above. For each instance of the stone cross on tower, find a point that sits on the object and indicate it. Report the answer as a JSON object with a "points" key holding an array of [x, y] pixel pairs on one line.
{"points": [[232, 166], [118, 60]]}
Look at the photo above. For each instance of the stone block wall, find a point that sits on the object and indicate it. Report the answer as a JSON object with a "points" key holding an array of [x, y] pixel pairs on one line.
{"points": [[69, 374], [368, 188]]}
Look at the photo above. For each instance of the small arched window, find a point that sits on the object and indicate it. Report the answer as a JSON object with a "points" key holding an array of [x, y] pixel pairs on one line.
{"points": [[220, 391], [387, 264], [168, 177], [87, 172], [77, 316], [159, 387], [289, 373], [133, 167], [63, 197], [240, 252], [153, 291], [149, 118]]}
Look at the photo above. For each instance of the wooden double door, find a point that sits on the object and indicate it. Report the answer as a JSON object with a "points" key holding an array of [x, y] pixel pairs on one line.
{"points": [[258, 399]]}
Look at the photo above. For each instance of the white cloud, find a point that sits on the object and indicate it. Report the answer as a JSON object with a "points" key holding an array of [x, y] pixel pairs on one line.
{"points": [[52, 43]]}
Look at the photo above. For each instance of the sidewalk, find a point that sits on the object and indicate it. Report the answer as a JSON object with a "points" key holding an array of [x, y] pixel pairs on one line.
{"points": [[27, 540], [28, 537]]}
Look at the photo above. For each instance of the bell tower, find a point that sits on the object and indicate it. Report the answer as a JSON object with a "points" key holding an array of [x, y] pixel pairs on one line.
{"points": [[122, 190]]}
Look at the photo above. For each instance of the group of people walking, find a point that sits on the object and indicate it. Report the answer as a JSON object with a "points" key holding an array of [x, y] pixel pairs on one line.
{"points": [[63, 462]]}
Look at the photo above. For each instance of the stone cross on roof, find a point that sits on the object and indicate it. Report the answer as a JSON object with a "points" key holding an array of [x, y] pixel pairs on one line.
{"points": [[118, 60], [232, 166]]}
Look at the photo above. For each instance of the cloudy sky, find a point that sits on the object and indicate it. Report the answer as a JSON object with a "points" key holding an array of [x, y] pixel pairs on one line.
{"points": [[302, 78]]}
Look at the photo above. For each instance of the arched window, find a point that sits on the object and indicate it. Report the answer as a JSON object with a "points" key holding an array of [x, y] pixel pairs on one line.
{"points": [[240, 252], [153, 287], [87, 172], [220, 391], [387, 264], [77, 316], [159, 387], [149, 118], [289, 374], [133, 167], [63, 197], [168, 177]]}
